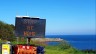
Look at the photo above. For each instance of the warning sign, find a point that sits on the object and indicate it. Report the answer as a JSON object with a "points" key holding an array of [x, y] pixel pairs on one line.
{"points": [[5, 49], [30, 27]]}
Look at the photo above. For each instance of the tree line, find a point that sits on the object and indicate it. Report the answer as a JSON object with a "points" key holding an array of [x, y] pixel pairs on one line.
{"points": [[7, 31]]}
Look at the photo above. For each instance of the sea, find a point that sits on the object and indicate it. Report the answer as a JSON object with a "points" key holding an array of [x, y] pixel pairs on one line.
{"points": [[81, 42]]}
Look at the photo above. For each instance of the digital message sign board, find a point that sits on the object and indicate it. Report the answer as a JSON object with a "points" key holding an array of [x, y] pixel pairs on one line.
{"points": [[30, 27]]}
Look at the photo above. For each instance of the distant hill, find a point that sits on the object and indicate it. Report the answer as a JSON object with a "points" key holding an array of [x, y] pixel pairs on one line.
{"points": [[6, 31]]}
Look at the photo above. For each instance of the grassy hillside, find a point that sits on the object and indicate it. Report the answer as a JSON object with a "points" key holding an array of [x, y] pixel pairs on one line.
{"points": [[66, 51], [62, 48]]}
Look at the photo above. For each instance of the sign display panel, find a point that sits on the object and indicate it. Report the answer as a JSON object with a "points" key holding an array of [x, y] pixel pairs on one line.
{"points": [[5, 49], [30, 27]]}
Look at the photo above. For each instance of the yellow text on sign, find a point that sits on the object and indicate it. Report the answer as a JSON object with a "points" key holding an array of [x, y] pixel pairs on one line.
{"points": [[5, 49]]}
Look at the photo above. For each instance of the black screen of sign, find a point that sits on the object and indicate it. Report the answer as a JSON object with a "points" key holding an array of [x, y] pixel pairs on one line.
{"points": [[30, 27]]}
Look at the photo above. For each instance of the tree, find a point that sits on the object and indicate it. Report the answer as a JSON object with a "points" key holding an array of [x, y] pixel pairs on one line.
{"points": [[6, 31]]}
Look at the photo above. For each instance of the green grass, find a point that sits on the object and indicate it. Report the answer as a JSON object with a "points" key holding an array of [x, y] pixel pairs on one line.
{"points": [[58, 50]]}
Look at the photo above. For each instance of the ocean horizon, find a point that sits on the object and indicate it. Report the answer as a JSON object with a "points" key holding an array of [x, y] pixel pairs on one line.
{"points": [[81, 42]]}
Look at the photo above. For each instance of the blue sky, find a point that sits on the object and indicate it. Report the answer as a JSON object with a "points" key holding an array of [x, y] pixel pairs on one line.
{"points": [[64, 17]]}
